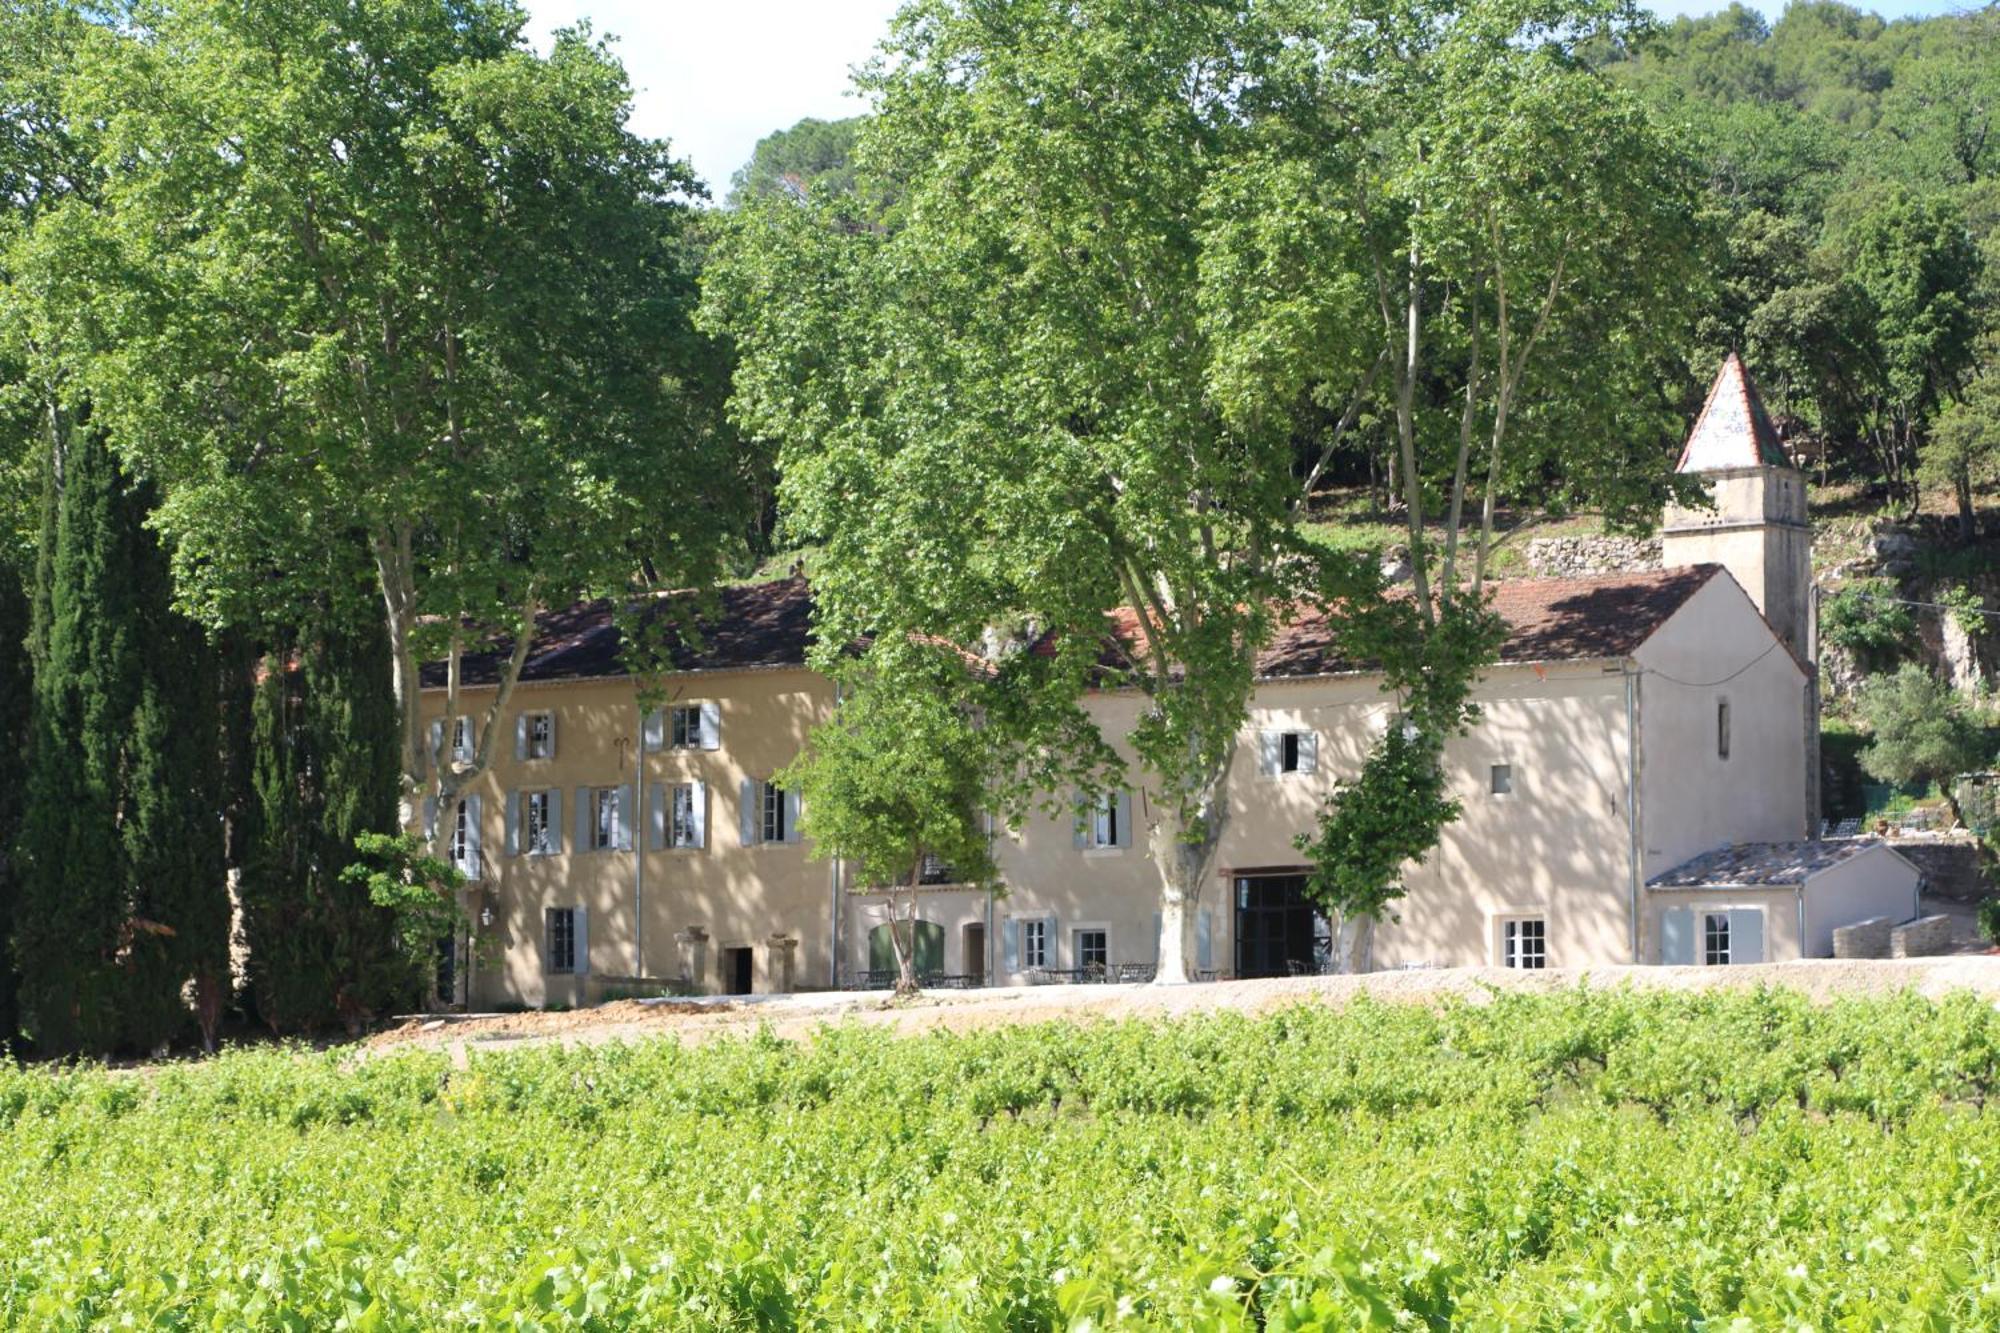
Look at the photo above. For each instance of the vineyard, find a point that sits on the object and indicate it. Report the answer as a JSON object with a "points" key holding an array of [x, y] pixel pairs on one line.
{"points": [[1608, 1160]]}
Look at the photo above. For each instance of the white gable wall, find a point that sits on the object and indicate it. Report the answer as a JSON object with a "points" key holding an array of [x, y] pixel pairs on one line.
{"points": [[1717, 648]]}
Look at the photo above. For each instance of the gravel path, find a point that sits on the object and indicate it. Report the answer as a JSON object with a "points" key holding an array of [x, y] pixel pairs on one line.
{"points": [[799, 1016]]}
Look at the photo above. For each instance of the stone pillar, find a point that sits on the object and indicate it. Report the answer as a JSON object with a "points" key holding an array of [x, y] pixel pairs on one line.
{"points": [[780, 950]]}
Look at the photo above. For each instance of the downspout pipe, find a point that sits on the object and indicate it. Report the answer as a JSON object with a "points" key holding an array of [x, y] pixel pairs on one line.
{"points": [[641, 831], [1632, 797]]}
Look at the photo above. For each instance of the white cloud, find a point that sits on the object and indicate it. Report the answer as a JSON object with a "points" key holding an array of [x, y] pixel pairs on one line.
{"points": [[713, 78]]}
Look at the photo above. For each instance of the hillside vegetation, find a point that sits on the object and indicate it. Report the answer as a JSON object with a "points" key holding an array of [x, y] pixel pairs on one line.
{"points": [[1572, 1160]]}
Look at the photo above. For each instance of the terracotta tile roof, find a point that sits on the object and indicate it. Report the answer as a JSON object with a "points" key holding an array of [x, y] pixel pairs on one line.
{"points": [[756, 625], [1747, 864], [770, 625], [1549, 620], [1733, 429]]}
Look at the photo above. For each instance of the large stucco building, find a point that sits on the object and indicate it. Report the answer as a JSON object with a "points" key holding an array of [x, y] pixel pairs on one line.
{"points": [[1633, 725]]}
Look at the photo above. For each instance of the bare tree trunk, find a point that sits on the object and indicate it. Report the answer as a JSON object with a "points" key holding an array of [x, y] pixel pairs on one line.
{"points": [[906, 943], [1354, 945], [1184, 850]]}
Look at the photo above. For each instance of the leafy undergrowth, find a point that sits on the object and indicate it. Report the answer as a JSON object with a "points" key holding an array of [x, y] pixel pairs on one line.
{"points": [[1569, 1161]]}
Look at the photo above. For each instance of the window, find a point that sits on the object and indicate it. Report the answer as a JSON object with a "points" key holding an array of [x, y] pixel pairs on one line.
{"points": [[1525, 943], [1282, 752], [683, 820], [461, 840], [1288, 754], [562, 939], [537, 828], [936, 870], [1104, 822], [1715, 939], [1501, 780], [1722, 729], [461, 739], [606, 819], [539, 736], [1034, 943], [1093, 948], [773, 812], [684, 732]]}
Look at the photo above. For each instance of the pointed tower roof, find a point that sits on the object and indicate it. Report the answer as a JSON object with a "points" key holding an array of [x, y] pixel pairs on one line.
{"points": [[1733, 429]]}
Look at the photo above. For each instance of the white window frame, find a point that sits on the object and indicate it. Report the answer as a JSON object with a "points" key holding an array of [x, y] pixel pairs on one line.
{"points": [[1076, 934], [771, 816], [1036, 946], [566, 934], [540, 735], [688, 736], [681, 823], [1513, 944], [604, 832], [461, 838], [1709, 916], [1104, 823], [537, 833]]}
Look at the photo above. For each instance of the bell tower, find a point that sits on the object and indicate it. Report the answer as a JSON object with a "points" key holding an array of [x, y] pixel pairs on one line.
{"points": [[1757, 529]]}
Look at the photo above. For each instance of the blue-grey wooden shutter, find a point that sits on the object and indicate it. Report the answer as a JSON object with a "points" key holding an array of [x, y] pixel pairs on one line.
{"points": [[1083, 820], [656, 834], [582, 942], [1270, 752], [584, 841], [1123, 807], [513, 823], [552, 735], [1010, 937], [555, 820], [791, 815], [1308, 752], [628, 815], [700, 808], [711, 725], [1677, 936], [749, 812], [437, 739], [656, 729], [1204, 953], [520, 736], [1051, 950], [430, 818], [1746, 935], [472, 857]]}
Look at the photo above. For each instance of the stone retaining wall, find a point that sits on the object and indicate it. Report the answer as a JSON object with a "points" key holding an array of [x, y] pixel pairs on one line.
{"points": [[1920, 938], [1587, 557], [1950, 866], [1863, 939]]}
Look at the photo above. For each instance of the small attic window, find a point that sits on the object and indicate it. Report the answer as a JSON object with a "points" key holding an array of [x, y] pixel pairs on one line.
{"points": [[1501, 780], [1722, 729]]}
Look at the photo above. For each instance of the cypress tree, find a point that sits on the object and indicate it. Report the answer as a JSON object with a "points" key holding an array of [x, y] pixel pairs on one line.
{"points": [[90, 674], [325, 767], [15, 690], [122, 904]]}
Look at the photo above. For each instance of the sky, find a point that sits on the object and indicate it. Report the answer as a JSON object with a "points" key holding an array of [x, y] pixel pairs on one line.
{"points": [[715, 76]]}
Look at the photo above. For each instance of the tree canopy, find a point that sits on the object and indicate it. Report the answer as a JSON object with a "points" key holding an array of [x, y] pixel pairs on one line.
{"points": [[383, 272]]}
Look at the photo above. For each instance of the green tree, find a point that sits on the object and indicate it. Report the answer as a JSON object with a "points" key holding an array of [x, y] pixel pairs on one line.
{"points": [[16, 700], [811, 160], [1922, 731], [122, 900], [1964, 451], [466, 335], [1057, 385], [323, 772], [900, 775]]}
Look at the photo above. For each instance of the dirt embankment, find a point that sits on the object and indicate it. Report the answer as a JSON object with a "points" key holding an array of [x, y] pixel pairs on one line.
{"points": [[799, 1016]]}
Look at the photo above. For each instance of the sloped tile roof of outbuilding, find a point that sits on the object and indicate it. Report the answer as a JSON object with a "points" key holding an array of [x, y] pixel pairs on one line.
{"points": [[1749, 864], [764, 625]]}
